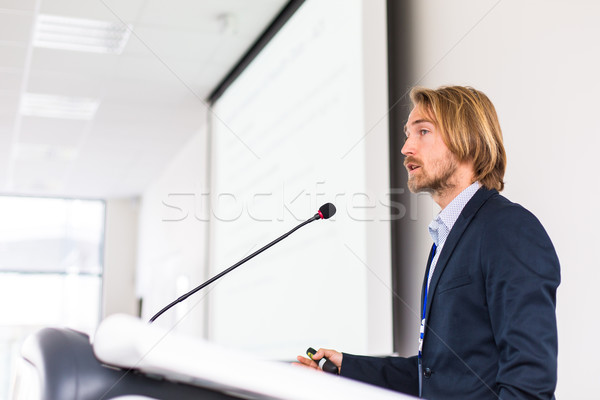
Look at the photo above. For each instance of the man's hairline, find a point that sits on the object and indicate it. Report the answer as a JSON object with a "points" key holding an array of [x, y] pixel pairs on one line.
{"points": [[428, 109]]}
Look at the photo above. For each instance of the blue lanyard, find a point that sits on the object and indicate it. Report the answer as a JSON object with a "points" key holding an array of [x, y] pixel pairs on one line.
{"points": [[425, 302]]}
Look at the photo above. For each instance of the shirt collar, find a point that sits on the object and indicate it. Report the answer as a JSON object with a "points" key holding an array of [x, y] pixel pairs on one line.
{"points": [[440, 227]]}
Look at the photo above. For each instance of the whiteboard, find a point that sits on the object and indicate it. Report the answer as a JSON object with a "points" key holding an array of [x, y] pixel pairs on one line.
{"points": [[278, 134]]}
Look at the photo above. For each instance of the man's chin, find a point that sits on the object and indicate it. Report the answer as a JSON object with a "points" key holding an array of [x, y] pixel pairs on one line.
{"points": [[414, 187]]}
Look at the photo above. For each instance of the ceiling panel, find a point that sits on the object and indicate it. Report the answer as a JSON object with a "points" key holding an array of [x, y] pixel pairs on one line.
{"points": [[148, 69], [4, 155], [73, 62], [13, 56], [6, 136], [124, 115], [18, 5], [42, 176], [15, 26], [52, 131], [105, 10], [123, 91], [65, 84], [11, 81], [154, 41], [39, 153], [198, 15], [246, 16], [7, 121], [147, 112], [9, 102]]}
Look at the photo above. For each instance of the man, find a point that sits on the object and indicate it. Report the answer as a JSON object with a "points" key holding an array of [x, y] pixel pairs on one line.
{"points": [[488, 322]]}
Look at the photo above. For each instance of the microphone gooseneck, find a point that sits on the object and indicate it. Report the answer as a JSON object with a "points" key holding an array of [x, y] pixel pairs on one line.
{"points": [[326, 211]]}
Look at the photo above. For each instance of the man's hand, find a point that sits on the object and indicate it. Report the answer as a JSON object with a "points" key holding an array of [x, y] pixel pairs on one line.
{"points": [[334, 356]]}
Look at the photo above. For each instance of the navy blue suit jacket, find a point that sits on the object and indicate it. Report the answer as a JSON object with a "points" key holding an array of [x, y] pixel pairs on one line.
{"points": [[491, 321]]}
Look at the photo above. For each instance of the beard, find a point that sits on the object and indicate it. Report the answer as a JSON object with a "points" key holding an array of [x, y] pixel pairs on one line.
{"points": [[435, 179]]}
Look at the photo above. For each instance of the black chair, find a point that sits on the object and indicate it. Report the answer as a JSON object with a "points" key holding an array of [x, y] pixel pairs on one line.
{"points": [[68, 370]]}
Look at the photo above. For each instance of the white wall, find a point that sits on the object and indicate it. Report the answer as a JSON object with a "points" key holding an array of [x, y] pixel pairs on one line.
{"points": [[538, 61], [376, 128], [173, 241], [120, 249]]}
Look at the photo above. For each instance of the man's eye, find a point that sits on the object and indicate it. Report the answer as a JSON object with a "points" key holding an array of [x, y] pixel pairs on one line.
{"points": [[423, 132]]}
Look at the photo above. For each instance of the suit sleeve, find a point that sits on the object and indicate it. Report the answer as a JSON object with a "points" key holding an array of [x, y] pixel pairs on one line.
{"points": [[396, 373], [522, 273]]}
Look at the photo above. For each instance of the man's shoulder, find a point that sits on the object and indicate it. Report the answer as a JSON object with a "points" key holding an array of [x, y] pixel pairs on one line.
{"points": [[496, 207], [502, 219]]}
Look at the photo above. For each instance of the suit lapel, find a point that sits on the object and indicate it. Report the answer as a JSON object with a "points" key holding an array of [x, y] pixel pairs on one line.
{"points": [[467, 214], [429, 260]]}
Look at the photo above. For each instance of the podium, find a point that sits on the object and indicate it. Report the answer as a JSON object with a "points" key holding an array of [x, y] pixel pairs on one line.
{"points": [[129, 358]]}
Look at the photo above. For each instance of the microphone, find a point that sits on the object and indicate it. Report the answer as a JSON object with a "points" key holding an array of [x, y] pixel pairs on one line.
{"points": [[326, 211]]}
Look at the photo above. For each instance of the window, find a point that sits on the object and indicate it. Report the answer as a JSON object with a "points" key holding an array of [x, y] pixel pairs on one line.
{"points": [[50, 270]]}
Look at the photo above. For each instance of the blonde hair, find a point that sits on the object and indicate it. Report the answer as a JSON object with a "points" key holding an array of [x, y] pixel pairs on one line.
{"points": [[469, 127]]}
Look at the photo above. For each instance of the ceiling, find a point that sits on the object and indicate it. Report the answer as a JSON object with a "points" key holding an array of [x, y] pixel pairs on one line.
{"points": [[151, 96]]}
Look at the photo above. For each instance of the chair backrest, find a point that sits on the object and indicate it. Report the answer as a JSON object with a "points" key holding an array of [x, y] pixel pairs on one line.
{"points": [[67, 369]]}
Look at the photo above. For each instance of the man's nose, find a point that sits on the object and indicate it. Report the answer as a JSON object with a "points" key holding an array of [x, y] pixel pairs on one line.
{"points": [[408, 148]]}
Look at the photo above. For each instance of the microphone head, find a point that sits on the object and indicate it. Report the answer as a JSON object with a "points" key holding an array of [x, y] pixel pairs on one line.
{"points": [[327, 210]]}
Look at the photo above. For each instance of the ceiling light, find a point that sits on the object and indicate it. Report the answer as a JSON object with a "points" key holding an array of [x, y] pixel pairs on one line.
{"points": [[56, 32], [51, 106]]}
